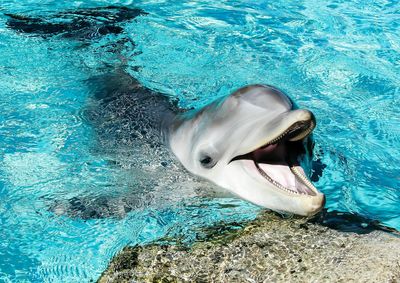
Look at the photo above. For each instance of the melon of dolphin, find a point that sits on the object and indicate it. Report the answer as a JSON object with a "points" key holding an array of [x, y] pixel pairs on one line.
{"points": [[251, 143]]}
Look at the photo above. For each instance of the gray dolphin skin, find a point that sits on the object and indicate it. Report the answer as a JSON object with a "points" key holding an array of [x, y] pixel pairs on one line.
{"points": [[252, 143]]}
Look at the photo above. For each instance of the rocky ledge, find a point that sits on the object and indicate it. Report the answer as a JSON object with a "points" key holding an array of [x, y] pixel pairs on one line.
{"points": [[268, 249]]}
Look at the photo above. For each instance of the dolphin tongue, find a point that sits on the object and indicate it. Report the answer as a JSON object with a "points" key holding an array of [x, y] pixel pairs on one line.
{"points": [[272, 160], [283, 175]]}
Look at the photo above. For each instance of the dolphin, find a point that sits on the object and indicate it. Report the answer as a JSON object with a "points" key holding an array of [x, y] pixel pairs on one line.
{"points": [[251, 143], [255, 143]]}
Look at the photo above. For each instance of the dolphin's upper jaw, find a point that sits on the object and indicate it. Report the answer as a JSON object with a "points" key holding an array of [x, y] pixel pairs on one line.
{"points": [[277, 162]]}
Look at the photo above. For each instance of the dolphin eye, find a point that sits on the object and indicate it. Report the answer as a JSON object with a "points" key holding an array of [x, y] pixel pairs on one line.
{"points": [[207, 162]]}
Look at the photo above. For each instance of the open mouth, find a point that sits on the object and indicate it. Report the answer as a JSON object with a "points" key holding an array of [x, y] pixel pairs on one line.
{"points": [[278, 161]]}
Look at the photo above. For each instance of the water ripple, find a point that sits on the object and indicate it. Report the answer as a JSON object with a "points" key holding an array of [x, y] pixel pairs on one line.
{"points": [[338, 58]]}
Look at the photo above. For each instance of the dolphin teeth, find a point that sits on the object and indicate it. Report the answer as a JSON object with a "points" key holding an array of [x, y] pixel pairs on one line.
{"points": [[310, 125], [302, 135], [275, 183], [306, 187], [303, 178]]}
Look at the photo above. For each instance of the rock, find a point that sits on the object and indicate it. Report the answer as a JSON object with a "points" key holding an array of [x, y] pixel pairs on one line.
{"points": [[268, 249]]}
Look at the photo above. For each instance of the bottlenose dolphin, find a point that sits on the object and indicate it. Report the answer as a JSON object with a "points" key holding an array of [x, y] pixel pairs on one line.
{"points": [[255, 142], [251, 143]]}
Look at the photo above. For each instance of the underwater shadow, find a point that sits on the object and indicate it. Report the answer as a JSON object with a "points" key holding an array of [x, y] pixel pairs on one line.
{"points": [[79, 24], [349, 222]]}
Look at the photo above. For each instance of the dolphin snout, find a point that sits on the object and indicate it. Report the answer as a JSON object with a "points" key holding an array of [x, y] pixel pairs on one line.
{"points": [[316, 204], [303, 115]]}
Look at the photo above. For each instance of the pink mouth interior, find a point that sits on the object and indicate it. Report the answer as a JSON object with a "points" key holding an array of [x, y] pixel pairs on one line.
{"points": [[272, 159]]}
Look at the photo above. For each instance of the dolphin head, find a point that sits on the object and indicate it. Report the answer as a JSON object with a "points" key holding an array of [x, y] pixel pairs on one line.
{"points": [[254, 143]]}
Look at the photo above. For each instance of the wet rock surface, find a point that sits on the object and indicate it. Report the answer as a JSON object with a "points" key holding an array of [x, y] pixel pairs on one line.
{"points": [[268, 249]]}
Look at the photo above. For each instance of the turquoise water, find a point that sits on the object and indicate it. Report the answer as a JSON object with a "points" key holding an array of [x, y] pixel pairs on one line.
{"points": [[340, 59]]}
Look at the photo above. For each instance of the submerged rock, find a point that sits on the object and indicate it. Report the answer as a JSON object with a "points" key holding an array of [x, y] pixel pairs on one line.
{"points": [[268, 249]]}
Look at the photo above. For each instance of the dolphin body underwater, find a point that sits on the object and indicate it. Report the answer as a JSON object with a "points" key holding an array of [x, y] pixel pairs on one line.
{"points": [[255, 143]]}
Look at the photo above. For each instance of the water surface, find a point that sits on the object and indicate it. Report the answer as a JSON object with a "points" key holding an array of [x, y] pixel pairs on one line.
{"points": [[340, 59]]}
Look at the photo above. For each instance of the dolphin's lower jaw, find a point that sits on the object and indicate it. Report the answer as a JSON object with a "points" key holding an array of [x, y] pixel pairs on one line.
{"points": [[276, 169]]}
